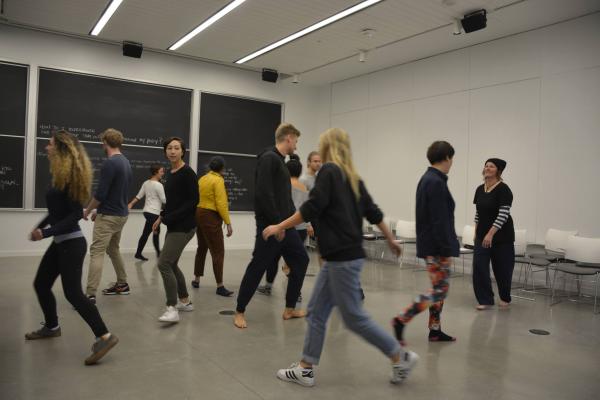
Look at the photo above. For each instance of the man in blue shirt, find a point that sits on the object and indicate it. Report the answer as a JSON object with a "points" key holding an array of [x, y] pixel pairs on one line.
{"points": [[110, 200]]}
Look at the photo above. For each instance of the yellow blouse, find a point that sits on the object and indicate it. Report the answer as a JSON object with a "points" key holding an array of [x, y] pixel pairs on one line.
{"points": [[213, 195]]}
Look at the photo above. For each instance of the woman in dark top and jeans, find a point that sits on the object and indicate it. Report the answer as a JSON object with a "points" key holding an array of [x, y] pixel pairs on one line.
{"points": [[71, 187], [494, 237], [339, 201], [181, 191]]}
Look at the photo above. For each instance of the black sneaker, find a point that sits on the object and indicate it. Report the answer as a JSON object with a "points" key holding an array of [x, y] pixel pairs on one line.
{"points": [[92, 299], [439, 336], [43, 333], [221, 291], [264, 289], [140, 257], [195, 284], [399, 331], [117, 288], [100, 348]]}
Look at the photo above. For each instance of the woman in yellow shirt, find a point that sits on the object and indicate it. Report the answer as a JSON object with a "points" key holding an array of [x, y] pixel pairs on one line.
{"points": [[211, 212]]}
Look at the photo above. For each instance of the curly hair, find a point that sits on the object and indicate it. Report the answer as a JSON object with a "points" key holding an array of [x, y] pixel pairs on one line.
{"points": [[70, 167]]}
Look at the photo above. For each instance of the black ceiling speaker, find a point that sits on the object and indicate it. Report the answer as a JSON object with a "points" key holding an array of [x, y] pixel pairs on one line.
{"points": [[132, 49], [474, 21], [270, 75]]}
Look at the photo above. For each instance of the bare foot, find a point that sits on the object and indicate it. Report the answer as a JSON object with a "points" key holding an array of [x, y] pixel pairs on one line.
{"points": [[290, 313], [503, 304], [482, 307], [239, 320]]}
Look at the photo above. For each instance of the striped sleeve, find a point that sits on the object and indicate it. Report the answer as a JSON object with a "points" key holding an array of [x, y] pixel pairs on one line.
{"points": [[502, 217], [476, 220]]}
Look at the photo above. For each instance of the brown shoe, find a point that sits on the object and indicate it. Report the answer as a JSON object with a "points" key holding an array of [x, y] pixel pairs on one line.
{"points": [[100, 348], [43, 333]]}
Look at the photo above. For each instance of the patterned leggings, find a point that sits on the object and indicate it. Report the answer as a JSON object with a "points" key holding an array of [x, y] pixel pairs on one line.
{"points": [[438, 268]]}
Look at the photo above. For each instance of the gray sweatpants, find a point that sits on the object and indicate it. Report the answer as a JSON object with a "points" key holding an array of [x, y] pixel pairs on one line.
{"points": [[173, 278]]}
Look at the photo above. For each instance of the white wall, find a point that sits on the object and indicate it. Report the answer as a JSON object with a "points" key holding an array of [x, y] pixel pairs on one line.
{"points": [[532, 99], [37, 49]]}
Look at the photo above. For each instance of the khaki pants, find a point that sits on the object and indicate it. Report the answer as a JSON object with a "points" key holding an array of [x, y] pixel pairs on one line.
{"points": [[107, 234]]}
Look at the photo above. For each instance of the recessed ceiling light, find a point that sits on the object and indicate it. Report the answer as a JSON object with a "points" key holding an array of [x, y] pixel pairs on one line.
{"points": [[110, 10], [224, 11], [312, 28]]}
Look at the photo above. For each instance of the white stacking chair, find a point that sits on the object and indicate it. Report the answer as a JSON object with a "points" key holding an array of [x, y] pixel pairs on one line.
{"points": [[467, 243], [581, 259], [554, 251], [406, 233], [522, 260]]}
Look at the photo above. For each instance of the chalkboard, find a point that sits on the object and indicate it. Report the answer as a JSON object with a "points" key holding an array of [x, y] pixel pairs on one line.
{"points": [[239, 179], [12, 158], [236, 125], [86, 105], [140, 158], [13, 99]]}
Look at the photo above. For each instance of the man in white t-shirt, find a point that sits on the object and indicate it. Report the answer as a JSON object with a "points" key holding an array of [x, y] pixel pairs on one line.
{"points": [[313, 165]]}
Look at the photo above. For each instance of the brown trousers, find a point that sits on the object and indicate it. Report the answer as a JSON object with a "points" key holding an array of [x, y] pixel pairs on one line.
{"points": [[209, 232]]}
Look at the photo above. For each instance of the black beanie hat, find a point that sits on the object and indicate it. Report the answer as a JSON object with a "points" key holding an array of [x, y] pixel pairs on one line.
{"points": [[499, 163]]}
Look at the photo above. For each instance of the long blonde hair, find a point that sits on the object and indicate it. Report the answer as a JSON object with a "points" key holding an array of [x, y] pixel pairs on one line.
{"points": [[70, 167], [334, 147]]}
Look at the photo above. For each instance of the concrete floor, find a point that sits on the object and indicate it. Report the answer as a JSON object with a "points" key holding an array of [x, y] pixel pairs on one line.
{"points": [[206, 357]]}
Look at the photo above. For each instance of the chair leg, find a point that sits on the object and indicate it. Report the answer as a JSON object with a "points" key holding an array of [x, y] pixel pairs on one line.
{"points": [[596, 292], [553, 288]]}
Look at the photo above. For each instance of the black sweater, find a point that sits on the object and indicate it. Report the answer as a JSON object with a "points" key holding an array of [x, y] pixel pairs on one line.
{"points": [[181, 191], [333, 205], [273, 190], [63, 214], [435, 216]]}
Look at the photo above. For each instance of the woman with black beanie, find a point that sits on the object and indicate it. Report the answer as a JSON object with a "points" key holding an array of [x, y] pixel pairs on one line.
{"points": [[494, 236]]}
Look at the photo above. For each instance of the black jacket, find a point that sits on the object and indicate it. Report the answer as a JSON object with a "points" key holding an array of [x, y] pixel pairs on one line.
{"points": [[435, 216], [333, 205], [273, 190]]}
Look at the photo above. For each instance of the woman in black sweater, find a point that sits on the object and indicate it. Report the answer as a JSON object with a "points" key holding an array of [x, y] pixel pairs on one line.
{"points": [[338, 202], [494, 237], [181, 191], [71, 188]]}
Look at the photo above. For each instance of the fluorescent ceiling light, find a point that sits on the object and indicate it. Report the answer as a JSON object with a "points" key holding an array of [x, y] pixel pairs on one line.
{"points": [[110, 10], [312, 28], [224, 11]]}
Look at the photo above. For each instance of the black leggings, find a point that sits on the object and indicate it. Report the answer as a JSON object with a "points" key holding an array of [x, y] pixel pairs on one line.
{"points": [[150, 220], [66, 259]]}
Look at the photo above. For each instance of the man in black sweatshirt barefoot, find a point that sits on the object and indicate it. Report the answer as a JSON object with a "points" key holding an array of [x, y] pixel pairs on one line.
{"points": [[273, 204]]}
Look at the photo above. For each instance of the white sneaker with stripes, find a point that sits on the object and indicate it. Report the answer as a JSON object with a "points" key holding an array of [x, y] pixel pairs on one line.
{"points": [[295, 373], [401, 371]]}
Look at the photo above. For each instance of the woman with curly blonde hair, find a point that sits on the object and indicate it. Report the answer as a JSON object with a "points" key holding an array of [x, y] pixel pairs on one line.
{"points": [[71, 172]]}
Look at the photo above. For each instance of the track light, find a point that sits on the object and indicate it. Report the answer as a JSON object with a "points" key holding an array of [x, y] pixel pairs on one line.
{"points": [[362, 56], [296, 78], [457, 28]]}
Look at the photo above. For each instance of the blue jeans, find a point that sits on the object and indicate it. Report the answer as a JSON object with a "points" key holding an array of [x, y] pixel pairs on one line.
{"points": [[338, 284]]}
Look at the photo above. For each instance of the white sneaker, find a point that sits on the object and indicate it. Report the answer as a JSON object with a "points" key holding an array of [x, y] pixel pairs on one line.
{"points": [[401, 370], [184, 307], [295, 373], [171, 315]]}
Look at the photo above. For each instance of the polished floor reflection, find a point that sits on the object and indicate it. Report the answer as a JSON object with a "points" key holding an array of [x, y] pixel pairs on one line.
{"points": [[206, 357]]}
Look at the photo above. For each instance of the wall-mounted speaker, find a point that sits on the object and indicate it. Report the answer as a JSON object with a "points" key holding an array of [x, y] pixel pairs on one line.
{"points": [[132, 49], [474, 21], [269, 75]]}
